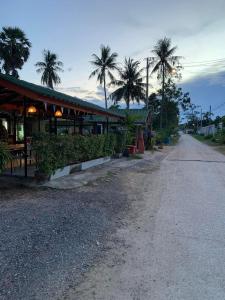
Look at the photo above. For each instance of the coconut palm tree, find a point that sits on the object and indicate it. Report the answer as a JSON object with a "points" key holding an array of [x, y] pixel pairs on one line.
{"points": [[49, 68], [130, 85], [14, 50], [165, 63], [104, 65]]}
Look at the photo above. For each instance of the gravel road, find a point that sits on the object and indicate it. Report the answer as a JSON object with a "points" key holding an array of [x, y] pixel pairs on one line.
{"points": [[171, 245], [50, 238]]}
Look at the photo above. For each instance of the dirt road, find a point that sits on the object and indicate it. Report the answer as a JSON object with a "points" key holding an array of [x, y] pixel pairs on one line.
{"points": [[171, 245]]}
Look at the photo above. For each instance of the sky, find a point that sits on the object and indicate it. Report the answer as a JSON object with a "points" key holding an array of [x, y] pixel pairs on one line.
{"points": [[75, 29]]}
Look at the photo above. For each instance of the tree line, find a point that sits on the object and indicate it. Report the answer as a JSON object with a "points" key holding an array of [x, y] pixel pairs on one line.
{"points": [[128, 81]]}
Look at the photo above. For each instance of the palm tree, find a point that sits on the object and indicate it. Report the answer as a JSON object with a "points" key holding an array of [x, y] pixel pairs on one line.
{"points": [[130, 84], [49, 68], [165, 63], [14, 50], [104, 65]]}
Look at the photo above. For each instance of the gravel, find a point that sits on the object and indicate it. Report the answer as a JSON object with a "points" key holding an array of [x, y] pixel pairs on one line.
{"points": [[49, 238]]}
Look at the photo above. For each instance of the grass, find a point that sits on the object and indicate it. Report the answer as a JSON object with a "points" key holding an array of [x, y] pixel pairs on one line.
{"points": [[174, 139], [218, 147], [201, 138]]}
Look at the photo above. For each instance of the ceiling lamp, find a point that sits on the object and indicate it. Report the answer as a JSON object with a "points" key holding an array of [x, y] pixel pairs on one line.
{"points": [[58, 113], [32, 109]]}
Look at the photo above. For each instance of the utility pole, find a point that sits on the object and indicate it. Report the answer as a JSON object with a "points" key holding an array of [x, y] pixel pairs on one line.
{"points": [[210, 113], [147, 81], [201, 118], [163, 96]]}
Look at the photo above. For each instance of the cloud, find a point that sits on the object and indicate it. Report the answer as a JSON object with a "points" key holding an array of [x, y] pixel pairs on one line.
{"points": [[208, 90]]}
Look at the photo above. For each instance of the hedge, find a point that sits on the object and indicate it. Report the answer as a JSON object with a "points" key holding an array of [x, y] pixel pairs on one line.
{"points": [[54, 152]]}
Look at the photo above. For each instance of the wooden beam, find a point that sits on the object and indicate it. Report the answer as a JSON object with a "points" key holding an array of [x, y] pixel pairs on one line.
{"points": [[8, 107], [10, 98]]}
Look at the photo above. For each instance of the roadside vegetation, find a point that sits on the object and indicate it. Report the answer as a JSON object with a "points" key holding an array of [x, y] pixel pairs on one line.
{"points": [[54, 152], [217, 141]]}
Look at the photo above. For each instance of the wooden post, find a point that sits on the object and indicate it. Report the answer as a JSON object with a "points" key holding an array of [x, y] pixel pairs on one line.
{"points": [[74, 124], [81, 126], [55, 125], [50, 125], [107, 125], [39, 120], [14, 127], [25, 136], [95, 128]]}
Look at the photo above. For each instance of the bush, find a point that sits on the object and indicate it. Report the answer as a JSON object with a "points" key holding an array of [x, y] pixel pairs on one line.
{"points": [[167, 136], [121, 138], [5, 156], [54, 152], [220, 137], [208, 137]]}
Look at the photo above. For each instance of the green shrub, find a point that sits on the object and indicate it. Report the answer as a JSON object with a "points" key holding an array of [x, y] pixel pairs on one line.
{"points": [[220, 137], [5, 156], [208, 137], [120, 141], [54, 152]]}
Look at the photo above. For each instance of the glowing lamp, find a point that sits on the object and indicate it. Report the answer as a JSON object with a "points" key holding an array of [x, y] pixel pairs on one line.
{"points": [[32, 109], [58, 113]]}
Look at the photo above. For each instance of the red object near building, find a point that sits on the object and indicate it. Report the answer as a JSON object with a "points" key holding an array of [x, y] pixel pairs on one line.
{"points": [[140, 141], [132, 149]]}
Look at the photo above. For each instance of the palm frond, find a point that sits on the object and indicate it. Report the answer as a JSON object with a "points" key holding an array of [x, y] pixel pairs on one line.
{"points": [[49, 69]]}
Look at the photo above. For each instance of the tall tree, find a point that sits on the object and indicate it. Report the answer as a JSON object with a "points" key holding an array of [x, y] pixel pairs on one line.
{"points": [[104, 64], [165, 64], [153, 102], [49, 67], [14, 50], [130, 85]]}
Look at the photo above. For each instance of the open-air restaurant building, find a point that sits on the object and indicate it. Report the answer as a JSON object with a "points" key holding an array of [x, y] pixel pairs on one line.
{"points": [[27, 108]]}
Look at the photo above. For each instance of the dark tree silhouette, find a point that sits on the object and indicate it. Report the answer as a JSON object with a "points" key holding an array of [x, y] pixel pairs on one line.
{"points": [[14, 50], [49, 68], [104, 65], [165, 63], [131, 86]]}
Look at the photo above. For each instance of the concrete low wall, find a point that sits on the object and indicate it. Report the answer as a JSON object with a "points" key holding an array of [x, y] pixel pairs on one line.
{"points": [[208, 130], [60, 173], [79, 167], [95, 162]]}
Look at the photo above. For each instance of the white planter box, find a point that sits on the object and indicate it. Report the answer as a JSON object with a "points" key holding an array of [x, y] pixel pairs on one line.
{"points": [[60, 173], [95, 162], [79, 167]]}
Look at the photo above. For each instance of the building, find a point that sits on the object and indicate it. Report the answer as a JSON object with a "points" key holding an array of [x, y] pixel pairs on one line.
{"points": [[27, 108]]}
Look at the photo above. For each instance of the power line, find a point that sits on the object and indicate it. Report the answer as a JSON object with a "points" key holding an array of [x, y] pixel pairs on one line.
{"points": [[205, 61], [204, 65]]}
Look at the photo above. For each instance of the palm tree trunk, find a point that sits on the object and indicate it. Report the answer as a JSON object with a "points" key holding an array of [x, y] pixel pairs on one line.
{"points": [[163, 96], [128, 100], [106, 106]]}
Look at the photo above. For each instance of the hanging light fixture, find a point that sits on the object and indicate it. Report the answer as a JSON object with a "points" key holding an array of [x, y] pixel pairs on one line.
{"points": [[58, 113], [32, 109]]}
